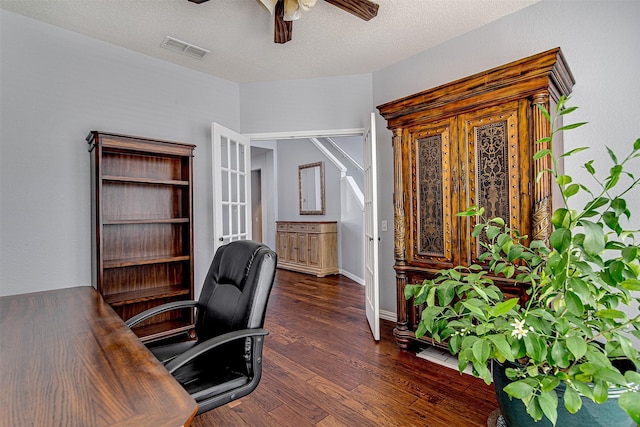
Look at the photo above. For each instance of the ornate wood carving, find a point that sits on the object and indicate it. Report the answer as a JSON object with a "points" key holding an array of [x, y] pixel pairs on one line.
{"points": [[541, 215], [399, 243], [470, 142]]}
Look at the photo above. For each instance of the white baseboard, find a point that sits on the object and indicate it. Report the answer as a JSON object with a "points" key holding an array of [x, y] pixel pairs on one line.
{"points": [[358, 280], [388, 315]]}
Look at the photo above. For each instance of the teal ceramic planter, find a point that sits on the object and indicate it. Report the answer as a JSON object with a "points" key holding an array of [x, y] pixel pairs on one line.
{"points": [[607, 414]]}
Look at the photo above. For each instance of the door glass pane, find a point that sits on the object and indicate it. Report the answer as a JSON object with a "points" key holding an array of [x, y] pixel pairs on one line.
{"points": [[234, 219], [225, 186], [234, 186], [242, 189], [224, 152], [241, 158], [243, 219], [233, 149], [225, 219]]}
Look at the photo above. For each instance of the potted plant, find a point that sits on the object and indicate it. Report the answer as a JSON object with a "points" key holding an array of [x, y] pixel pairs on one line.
{"points": [[560, 348]]}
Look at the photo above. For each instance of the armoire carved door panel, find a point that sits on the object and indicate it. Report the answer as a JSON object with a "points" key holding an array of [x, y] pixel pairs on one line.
{"points": [[495, 169], [433, 199], [470, 142]]}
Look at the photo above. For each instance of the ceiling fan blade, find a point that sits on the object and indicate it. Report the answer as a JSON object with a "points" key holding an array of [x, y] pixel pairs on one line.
{"points": [[363, 9], [282, 30], [198, 1]]}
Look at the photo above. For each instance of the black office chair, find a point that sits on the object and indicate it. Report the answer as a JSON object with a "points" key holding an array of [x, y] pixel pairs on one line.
{"points": [[225, 362]]}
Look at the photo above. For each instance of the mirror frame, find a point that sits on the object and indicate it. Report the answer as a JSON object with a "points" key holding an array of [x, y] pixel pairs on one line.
{"points": [[321, 211]]}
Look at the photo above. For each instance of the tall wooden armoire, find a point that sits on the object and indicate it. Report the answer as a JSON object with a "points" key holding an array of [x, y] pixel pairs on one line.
{"points": [[469, 142]]}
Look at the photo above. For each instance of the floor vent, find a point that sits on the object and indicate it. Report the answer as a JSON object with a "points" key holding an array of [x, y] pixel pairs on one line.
{"points": [[184, 48]]}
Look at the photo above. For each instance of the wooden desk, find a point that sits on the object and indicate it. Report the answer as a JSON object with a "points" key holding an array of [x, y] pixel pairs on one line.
{"points": [[67, 359]]}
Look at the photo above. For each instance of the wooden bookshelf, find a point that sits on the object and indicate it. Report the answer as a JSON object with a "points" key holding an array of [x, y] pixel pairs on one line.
{"points": [[142, 198]]}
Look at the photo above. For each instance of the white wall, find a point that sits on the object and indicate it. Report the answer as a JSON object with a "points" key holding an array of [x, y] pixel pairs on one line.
{"points": [[55, 87], [351, 231], [600, 42], [306, 105], [291, 154]]}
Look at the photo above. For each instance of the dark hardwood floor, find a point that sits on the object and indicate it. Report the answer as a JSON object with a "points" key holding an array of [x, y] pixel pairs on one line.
{"points": [[323, 368]]}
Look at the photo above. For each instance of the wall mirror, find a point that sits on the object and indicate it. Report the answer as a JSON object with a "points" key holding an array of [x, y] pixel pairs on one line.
{"points": [[311, 188]]}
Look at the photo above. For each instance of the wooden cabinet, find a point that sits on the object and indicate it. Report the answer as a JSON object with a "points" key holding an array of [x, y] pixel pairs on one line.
{"points": [[308, 247], [143, 227], [470, 142]]}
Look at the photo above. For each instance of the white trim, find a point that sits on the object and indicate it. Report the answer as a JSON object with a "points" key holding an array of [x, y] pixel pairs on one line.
{"points": [[305, 134], [355, 190], [388, 315], [345, 154], [320, 146], [358, 280]]}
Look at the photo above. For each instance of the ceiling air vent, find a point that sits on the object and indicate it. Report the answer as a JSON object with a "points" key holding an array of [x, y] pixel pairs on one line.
{"points": [[184, 48]]}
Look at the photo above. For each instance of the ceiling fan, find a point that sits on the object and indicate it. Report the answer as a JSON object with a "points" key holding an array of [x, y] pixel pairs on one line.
{"points": [[287, 11]]}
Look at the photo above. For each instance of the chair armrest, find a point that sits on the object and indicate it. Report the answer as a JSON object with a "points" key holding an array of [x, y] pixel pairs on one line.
{"points": [[159, 309], [210, 344]]}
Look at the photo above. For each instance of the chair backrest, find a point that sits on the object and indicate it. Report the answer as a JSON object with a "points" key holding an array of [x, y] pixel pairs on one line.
{"points": [[236, 290]]}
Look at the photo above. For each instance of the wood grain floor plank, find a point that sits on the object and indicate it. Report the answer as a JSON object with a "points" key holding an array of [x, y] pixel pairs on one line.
{"points": [[322, 368]]}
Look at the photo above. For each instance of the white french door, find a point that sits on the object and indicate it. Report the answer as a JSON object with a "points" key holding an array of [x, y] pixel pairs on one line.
{"points": [[231, 170], [371, 230]]}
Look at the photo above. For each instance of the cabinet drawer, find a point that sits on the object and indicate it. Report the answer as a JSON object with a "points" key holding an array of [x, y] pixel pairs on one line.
{"points": [[298, 227], [314, 228], [282, 227]]}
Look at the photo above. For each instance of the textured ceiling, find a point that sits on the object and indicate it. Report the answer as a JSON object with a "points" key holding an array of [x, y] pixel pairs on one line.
{"points": [[327, 41]]}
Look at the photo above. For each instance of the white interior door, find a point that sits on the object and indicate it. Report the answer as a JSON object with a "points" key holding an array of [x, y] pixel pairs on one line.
{"points": [[371, 230], [231, 170]]}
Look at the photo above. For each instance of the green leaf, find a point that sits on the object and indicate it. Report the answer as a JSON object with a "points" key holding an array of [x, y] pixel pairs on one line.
{"points": [[533, 346], [610, 313], [571, 126], [577, 346], [492, 232], [502, 346], [594, 238], [560, 354], [544, 111], [601, 392], [481, 351], [472, 306], [575, 150], [503, 307], [589, 167], [574, 304], [549, 405], [636, 145], [567, 111], [446, 292], [630, 402], [561, 218], [571, 190], [514, 252], [619, 206], [534, 410], [631, 284], [560, 239], [564, 180], [519, 390], [612, 155], [630, 253], [572, 400], [540, 154]]}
